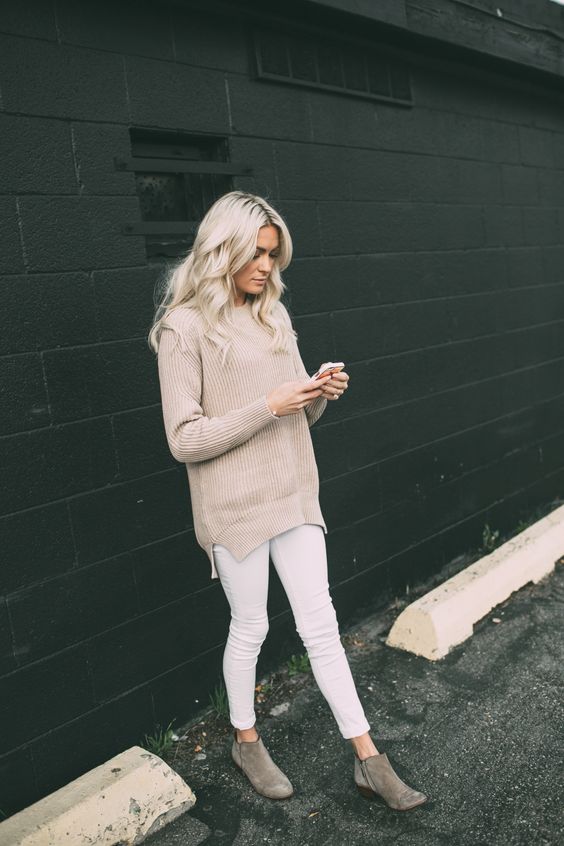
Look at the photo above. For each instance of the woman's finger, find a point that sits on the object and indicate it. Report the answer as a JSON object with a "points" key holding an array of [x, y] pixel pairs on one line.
{"points": [[313, 385], [341, 386], [332, 393]]}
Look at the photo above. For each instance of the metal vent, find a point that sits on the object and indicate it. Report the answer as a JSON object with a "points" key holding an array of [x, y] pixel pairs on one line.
{"points": [[330, 64]]}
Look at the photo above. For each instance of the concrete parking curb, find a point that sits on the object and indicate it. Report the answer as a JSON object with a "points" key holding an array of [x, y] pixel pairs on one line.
{"points": [[121, 801], [435, 623]]}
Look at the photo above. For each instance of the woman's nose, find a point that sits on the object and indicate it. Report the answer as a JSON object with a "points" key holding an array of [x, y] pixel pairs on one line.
{"points": [[265, 264]]}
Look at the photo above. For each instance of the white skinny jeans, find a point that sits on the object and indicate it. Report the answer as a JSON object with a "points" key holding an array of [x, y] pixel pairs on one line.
{"points": [[300, 558]]}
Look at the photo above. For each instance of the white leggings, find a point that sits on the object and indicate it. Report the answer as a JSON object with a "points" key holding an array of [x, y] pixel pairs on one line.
{"points": [[300, 558]]}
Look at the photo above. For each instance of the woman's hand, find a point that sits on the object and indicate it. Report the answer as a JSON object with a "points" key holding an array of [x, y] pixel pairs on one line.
{"points": [[291, 397], [335, 386]]}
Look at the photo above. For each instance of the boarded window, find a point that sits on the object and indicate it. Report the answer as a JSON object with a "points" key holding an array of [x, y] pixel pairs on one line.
{"points": [[178, 177], [317, 61]]}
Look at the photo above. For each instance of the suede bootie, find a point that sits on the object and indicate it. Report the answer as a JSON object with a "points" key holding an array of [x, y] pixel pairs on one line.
{"points": [[375, 776], [252, 757]]}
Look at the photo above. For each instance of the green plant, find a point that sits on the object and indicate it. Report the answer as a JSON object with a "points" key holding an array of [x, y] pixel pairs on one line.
{"points": [[298, 664], [262, 690], [219, 701], [489, 538], [522, 525], [161, 741]]}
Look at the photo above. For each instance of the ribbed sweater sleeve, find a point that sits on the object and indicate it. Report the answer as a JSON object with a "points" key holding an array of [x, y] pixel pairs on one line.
{"points": [[190, 434]]}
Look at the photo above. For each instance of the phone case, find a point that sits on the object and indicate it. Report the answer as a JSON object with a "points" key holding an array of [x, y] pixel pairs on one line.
{"points": [[328, 367]]}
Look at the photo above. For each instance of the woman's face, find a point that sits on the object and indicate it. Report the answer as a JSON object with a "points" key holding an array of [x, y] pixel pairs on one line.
{"points": [[251, 278]]}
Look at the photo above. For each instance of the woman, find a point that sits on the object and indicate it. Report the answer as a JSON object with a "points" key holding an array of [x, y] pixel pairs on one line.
{"points": [[237, 406]]}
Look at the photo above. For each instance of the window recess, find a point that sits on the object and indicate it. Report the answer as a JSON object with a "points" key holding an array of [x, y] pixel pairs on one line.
{"points": [[332, 64], [178, 176]]}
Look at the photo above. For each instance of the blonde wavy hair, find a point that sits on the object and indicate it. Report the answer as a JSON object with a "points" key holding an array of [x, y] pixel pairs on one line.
{"points": [[225, 242]]}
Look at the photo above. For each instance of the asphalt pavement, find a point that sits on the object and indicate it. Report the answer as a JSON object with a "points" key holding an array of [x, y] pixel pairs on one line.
{"points": [[480, 731]]}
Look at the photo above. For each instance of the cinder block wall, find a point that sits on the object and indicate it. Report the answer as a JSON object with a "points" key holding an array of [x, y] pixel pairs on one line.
{"points": [[429, 255]]}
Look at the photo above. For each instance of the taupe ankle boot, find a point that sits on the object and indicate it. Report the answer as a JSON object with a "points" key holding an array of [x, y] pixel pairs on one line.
{"points": [[251, 756], [376, 776]]}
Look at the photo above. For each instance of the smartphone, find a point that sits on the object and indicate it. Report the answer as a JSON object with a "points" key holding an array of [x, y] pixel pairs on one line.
{"points": [[328, 367]]}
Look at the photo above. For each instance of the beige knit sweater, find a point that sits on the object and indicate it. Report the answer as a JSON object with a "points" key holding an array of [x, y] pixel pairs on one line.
{"points": [[251, 475]]}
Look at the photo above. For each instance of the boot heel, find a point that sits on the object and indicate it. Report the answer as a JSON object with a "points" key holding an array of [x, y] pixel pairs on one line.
{"points": [[365, 791]]}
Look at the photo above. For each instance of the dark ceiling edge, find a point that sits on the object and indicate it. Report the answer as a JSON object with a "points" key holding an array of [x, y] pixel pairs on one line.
{"points": [[428, 49]]}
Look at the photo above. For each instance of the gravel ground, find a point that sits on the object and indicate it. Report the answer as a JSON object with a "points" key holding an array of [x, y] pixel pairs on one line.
{"points": [[481, 732]]}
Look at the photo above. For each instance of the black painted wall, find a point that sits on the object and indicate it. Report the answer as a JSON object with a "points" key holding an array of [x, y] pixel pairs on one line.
{"points": [[429, 253]]}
